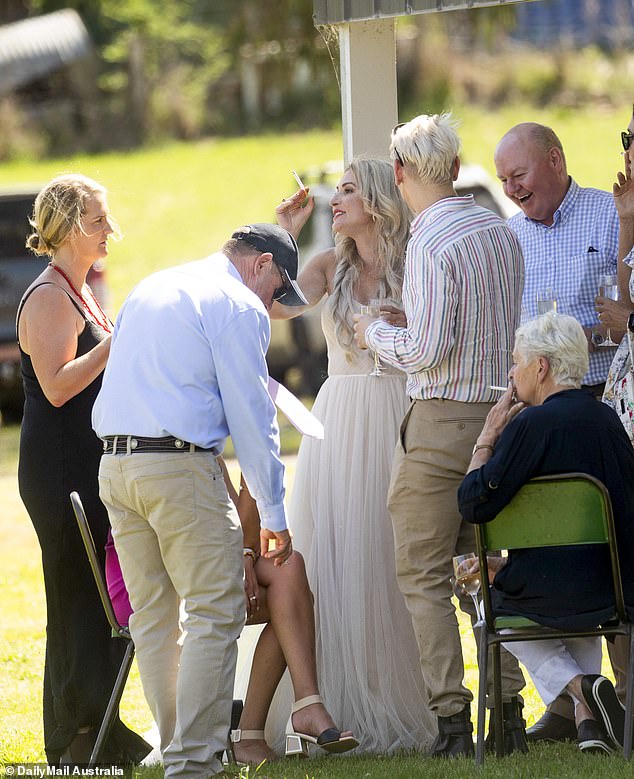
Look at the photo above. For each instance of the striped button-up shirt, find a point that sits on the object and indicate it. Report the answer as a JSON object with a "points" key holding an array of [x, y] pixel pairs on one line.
{"points": [[568, 257], [462, 292]]}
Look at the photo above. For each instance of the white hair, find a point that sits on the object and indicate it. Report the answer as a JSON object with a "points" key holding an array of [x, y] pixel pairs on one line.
{"points": [[430, 144], [561, 340]]}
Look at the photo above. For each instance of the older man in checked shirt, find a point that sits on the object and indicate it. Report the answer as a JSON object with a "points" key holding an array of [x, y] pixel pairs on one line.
{"points": [[570, 237], [569, 234], [461, 292]]}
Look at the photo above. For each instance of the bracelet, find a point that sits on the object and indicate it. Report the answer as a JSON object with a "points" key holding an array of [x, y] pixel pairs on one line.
{"points": [[248, 552], [477, 447]]}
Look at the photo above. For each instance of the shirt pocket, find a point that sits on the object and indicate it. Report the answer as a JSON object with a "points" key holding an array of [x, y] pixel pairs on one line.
{"points": [[584, 271]]}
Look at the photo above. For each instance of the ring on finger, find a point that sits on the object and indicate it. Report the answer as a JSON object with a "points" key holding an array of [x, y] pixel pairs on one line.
{"points": [[252, 597]]}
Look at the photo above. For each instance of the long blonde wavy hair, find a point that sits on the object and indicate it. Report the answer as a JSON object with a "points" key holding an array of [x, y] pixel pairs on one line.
{"points": [[391, 217]]}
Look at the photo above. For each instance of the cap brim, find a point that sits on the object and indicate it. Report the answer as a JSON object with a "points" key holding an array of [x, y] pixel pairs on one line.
{"points": [[293, 297]]}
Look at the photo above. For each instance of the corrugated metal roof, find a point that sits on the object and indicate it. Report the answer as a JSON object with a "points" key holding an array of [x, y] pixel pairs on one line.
{"points": [[336, 11], [34, 47]]}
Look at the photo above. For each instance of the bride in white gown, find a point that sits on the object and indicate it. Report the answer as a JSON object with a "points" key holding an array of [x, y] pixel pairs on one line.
{"points": [[367, 656]]}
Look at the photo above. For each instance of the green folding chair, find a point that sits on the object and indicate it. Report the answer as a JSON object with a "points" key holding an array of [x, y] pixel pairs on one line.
{"points": [[561, 510]]}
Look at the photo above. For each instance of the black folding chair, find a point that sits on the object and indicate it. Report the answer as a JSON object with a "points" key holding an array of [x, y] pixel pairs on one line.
{"points": [[118, 631]]}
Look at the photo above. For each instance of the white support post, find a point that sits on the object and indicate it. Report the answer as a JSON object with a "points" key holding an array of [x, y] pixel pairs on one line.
{"points": [[369, 106]]}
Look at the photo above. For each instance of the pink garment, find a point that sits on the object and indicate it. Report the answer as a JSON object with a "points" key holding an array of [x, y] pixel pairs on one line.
{"points": [[116, 586]]}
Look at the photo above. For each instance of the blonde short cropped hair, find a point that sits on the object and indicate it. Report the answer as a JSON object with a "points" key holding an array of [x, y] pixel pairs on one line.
{"points": [[430, 144], [561, 340], [58, 210]]}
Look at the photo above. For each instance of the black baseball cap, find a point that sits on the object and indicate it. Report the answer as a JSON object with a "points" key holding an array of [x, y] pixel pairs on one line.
{"points": [[280, 243]]}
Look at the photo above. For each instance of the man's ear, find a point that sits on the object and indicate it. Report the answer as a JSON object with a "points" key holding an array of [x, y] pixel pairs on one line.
{"points": [[398, 172], [455, 169], [263, 261]]}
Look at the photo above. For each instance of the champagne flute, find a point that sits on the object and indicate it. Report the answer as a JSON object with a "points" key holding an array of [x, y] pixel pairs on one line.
{"points": [[374, 309], [468, 579], [546, 301], [608, 288]]}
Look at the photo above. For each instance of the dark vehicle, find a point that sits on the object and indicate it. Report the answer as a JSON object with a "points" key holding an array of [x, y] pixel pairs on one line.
{"points": [[18, 268], [297, 354]]}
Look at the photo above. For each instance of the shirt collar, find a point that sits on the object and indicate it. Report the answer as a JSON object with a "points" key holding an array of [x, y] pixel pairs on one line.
{"points": [[223, 262], [432, 212]]}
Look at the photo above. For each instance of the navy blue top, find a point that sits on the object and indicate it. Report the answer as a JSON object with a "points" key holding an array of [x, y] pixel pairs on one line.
{"points": [[563, 587]]}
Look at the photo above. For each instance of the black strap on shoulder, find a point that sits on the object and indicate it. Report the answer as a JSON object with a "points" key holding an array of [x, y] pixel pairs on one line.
{"points": [[28, 295]]}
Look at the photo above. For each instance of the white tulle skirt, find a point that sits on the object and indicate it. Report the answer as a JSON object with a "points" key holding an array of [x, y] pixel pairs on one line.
{"points": [[367, 657]]}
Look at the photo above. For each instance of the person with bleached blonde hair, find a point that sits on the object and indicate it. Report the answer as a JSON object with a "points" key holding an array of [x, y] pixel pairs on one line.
{"points": [[366, 650], [461, 294]]}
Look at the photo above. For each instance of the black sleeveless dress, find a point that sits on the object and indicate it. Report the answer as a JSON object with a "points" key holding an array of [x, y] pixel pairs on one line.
{"points": [[59, 452]]}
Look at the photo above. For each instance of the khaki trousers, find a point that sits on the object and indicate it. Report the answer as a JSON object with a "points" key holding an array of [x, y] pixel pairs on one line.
{"points": [[431, 459], [178, 539]]}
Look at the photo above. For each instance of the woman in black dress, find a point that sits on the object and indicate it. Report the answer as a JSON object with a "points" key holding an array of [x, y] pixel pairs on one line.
{"points": [[64, 339]]}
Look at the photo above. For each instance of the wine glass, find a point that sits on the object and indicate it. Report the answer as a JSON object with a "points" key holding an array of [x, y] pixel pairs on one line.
{"points": [[374, 309], [608, 288], [546, 301], [467, 579]]}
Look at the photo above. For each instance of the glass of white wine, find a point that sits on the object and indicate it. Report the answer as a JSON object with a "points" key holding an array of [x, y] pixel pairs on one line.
{"points": [[608, 288], [467, 573], [374, 309]]}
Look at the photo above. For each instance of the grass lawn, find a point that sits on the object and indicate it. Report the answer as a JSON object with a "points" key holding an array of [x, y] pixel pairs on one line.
{"points": [[180, 202], [22, 637]]}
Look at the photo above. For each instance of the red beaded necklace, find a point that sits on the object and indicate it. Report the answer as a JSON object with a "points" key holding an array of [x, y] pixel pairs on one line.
{"points": [[102, 321]]}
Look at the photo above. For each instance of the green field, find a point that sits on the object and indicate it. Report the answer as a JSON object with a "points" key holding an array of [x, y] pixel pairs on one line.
{"points": [[177, 203], [182, 201]]}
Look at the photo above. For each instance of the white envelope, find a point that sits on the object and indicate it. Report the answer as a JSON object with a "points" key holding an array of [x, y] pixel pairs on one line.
{"points": [[295, 411]]}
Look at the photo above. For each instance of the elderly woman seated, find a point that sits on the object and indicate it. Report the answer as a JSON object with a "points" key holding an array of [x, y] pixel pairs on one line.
{"points": [[546, 424]]}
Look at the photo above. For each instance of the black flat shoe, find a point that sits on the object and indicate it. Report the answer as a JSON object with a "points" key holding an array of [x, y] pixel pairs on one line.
{"points": [[592, 738], [552, 727], [601, 698]]}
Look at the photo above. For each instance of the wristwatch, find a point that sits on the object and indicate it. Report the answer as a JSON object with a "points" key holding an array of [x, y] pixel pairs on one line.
{"points": [[481, 446]]}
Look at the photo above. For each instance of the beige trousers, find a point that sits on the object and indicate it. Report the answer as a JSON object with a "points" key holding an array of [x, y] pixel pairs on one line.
{"points": [[431, 459], [179, 540]]}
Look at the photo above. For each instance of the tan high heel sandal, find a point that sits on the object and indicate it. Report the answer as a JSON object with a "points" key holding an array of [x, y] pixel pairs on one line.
{"points": [[329, 739]]}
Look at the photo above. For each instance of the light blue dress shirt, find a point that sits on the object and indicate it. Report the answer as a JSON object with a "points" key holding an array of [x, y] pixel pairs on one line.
{"points": [[568, 257], [188, 359]]}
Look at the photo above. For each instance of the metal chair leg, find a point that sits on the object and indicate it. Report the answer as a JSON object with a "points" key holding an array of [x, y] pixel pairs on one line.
{"points": [[483, 651], [629, 697], [113, 705], [497, 701]]}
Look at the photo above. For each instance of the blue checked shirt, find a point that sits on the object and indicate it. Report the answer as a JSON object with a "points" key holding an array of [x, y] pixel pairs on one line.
{"points": [[568, 257]]}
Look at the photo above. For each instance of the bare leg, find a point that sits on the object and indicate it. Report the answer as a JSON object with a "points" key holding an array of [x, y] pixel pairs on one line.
{"points": [[290, 604], [266, 671], [582, 710]]}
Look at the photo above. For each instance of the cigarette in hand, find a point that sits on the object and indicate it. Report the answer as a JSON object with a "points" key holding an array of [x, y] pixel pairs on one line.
{"points": [[300, 183], [498, 389]]}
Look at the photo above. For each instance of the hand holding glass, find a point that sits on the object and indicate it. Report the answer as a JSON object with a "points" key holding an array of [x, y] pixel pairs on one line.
{"points": [[608, 288], [374, 309], [467, 573]]}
